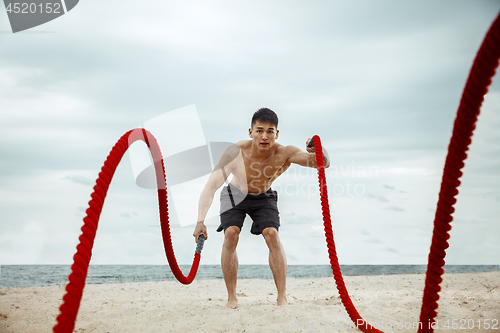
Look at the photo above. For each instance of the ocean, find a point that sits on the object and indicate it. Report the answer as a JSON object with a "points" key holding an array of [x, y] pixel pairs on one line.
{"points": [[53, 275]]}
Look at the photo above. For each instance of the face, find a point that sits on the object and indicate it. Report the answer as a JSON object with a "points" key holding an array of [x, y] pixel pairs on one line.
{"points": [[263, 135]]}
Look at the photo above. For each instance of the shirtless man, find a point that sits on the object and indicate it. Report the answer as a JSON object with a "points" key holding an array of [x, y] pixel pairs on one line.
{"points": [[255, 164]]}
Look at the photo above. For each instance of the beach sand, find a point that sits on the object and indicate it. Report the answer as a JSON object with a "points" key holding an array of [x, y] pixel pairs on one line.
{"points": [[472, 299]]}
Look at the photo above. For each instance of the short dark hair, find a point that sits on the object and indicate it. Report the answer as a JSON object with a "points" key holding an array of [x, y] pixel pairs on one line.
{"points": [[265, 115]]}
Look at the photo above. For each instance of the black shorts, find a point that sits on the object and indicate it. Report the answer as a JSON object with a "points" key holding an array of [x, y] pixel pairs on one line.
{"points": [[262, 208]]}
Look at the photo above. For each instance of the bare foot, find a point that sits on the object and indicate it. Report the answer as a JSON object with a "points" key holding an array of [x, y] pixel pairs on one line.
{"points": [[232, 303], [282, 300]]}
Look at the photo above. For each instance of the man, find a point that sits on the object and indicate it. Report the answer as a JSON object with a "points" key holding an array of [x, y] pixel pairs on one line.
{"points": [[255, 164]]}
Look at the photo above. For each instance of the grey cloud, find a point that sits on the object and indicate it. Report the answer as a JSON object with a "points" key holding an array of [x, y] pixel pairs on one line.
{"points": [[390, 249], [374, 241], [299, 219], [396, 209], [380, 198], [78, 179], [377, 81], [389, 187]]}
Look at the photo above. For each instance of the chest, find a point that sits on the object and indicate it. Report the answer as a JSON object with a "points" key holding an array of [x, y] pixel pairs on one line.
{"points": [[268, 168]]}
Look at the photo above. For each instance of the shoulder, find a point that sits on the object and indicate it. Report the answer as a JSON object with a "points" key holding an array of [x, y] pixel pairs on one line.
{"points": [[244, 144], [289, 151], [234, 149], [231, 153]]}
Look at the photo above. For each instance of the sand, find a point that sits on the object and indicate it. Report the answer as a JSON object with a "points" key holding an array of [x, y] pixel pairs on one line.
{"points": [[467, 300]]}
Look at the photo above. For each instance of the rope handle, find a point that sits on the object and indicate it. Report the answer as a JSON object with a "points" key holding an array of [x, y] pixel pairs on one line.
{"points": [[311, 143], [199, 244]]}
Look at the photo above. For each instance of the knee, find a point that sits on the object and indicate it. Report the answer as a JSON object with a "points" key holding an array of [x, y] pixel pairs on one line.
{"points": [[272, 237], [231, 236]]}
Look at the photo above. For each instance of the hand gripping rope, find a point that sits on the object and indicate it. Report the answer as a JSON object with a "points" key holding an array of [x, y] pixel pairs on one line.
{"points": [[476, 87], [74, 289]]}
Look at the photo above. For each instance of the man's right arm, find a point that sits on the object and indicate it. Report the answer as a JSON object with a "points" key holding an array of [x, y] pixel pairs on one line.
{"points": [[215, 181]]}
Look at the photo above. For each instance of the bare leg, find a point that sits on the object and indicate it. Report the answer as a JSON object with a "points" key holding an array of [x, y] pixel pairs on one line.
{"points": [[229, 263], [277, 262]]}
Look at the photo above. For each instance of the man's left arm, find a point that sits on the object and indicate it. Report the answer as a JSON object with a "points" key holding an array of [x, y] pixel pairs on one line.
{"points": [[307, 159]]}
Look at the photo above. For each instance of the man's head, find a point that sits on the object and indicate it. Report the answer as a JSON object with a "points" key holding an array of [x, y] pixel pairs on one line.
{"points": [[265, 115], [264, 129]]}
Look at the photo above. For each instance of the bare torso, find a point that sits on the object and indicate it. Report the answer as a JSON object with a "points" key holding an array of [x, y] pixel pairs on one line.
{"points": [[254, 173]]}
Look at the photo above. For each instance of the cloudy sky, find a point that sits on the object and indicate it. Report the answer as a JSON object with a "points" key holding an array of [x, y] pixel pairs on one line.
{"points": [[380, 82]]}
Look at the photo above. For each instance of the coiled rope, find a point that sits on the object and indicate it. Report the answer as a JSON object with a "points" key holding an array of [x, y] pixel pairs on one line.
{"points": [[482, 71], [74, 289]]}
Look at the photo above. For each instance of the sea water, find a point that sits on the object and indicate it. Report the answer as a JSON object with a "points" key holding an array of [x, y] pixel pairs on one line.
{"points": [[53, 275]]}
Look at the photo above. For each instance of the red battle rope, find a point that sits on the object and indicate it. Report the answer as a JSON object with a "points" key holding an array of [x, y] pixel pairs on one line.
{"points": [[334, 261], [476, 87], [71, 301], [481, 73]]}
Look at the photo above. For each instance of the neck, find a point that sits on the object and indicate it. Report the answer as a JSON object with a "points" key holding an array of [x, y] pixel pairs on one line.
{"points": [[260, 154]]}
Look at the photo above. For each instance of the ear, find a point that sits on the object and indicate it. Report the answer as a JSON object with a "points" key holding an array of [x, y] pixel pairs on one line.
{"points": [[277, 132], [250, 132]]}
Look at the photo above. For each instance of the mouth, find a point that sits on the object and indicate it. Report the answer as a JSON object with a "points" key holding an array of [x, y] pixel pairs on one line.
{"points": [[264, 144]]}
